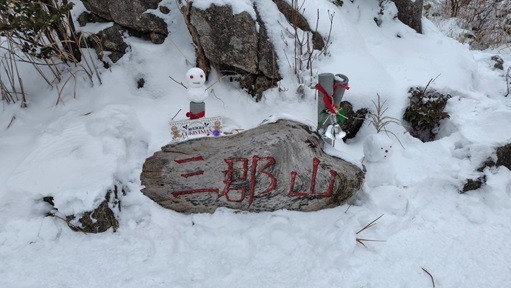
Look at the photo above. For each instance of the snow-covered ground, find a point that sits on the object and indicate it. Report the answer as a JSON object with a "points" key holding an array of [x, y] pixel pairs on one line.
{"points": [[77, 150]]}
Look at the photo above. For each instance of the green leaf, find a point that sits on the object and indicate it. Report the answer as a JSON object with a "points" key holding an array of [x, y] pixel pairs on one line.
{"points": [[341, 118]]}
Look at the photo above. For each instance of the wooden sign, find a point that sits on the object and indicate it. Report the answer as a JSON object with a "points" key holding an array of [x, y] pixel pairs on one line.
{"points": [[275, 166], [203, 127]]}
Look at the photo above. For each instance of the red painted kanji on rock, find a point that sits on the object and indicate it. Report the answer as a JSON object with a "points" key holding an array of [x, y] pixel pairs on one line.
{"points": [[240, 176], [188, 175], [242, 181], [312, 189]]}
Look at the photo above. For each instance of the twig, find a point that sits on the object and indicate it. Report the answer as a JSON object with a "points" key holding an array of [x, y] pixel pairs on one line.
{"points": [[219, 79], [180, 83], [432, 279], [370, 224], [175, 115], [10, 123], [214, 94], [507, 81], [72, 226], [431, 80], [362, 240]]}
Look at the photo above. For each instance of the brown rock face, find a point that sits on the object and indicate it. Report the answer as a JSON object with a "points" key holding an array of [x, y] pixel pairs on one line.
{"points": [[275, 166]]}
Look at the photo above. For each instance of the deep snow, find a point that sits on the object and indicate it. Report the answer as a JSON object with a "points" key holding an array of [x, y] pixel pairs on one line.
{"points": [[76, 150]]}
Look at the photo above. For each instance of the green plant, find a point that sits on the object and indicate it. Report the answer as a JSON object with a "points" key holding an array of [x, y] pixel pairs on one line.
{"points": [[42, 34], [425, 111], [43, 28]]}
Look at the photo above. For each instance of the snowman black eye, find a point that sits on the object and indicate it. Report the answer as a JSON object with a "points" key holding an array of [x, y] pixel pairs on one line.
{"points": [[201, 76], [191, 76]]}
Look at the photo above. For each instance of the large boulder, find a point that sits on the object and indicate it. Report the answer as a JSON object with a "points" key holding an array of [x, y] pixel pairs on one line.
{"points": [[233, 44], [275, 166], [131, 14]]}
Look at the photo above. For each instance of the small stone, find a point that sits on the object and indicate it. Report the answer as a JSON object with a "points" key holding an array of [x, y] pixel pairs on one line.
{"points": [[140, 83], [497, 59], [498, 66], [354, 121], [164, 9], [473, 184], [157, 38]]}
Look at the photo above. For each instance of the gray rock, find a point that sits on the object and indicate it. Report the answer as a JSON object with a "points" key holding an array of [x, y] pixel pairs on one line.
{"points": [[473, 184], [112, 40], [410, 13], [497, 59], [274, 166], [227, 38], [129, 13], [87, 17], [504, 156], [499, 62], [233, 44]]}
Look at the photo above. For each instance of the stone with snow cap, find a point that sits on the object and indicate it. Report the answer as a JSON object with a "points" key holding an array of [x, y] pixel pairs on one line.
{"points": [[275, 166]]}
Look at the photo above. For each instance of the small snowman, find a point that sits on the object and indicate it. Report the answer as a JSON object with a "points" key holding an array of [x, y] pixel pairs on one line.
{"points": [[377, 153], [196, 93]]}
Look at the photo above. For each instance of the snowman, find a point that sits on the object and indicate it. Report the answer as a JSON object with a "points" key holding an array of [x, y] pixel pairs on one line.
{"points": [[196, 93], [378, 151]]}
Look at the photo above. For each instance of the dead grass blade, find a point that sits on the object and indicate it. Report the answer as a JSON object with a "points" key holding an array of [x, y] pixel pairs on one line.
{"points": [[431, 276], [369, 225], [362, 241]]}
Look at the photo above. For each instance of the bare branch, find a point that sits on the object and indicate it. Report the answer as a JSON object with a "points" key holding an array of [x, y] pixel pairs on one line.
{"points": [[180, 83]]}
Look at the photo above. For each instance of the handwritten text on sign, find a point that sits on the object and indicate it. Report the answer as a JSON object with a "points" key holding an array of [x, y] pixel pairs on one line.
{"points": [[239, 176]]}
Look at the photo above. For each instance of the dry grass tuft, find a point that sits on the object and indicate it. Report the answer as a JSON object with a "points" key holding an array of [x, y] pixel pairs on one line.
{"points": [[362, 241]]}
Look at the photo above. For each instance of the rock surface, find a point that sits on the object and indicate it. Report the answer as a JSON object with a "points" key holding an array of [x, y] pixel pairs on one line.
{"points": [[130, 14], [112, 41], [354, 121], [295, 18], [504, 156], [275, 166], [410, 13], [233, 44]]}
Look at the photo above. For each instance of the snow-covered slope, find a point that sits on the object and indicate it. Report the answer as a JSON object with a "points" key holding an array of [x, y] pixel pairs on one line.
{"points": [[78, 149]]}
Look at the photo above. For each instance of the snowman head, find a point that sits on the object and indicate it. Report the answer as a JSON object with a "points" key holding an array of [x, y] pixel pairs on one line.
{"points": [[195, 77], [377, 148]]}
